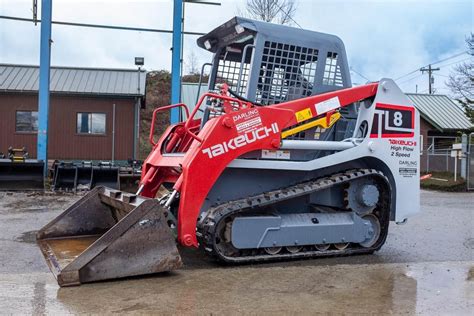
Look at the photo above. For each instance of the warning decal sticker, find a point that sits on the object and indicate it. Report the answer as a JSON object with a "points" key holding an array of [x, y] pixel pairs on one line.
{"points": [[303, 115]]}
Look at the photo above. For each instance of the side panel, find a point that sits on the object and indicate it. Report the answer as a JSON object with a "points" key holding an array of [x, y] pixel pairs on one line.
{"points": [[399, 152]]}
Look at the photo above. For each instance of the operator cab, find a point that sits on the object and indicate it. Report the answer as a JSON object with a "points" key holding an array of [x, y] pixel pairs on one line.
{"points": [[271, 63]]}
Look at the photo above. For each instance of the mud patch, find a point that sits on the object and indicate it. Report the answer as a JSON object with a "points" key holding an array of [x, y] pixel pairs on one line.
{"points": [[28, 237], [469, 243], [33, 210], [132, 308], [470, 274]]}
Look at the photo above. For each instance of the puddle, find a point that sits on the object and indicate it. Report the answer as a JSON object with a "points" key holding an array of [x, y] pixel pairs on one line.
{"points": [[379, 289]]}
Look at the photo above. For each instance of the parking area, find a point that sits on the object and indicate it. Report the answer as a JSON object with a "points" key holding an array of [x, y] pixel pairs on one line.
{"points": [[426, 266]]}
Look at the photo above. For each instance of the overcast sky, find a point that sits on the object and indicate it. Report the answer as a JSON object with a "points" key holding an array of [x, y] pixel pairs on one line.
{"points": [[383, 38]]}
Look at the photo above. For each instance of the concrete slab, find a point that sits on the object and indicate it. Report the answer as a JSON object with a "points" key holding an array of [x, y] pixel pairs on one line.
{"points": [[426, 267]]}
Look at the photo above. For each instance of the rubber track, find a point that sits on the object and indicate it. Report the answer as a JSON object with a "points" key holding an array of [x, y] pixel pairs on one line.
{"points": [[207, 226]]}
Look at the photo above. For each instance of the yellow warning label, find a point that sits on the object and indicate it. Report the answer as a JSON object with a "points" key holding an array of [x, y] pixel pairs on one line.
{"points": [[303, 115]]}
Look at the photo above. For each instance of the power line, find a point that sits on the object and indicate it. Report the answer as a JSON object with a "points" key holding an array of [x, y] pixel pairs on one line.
{"points": [[418, 76], [437, 62], [361, 75], [408, 80], [456, 62], [410, 73], [448, 58], [114, 27]]}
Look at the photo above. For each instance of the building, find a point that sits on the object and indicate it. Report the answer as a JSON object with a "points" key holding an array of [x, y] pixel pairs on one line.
{"points": [[441, 123], [94, 113]]}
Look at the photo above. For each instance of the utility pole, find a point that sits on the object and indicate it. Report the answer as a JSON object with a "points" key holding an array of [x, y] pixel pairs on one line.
{"points": [[176, 59], [44, 77], [430, 71]]}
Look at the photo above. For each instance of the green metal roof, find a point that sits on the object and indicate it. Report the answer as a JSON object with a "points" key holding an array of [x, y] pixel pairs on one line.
{"points": [[67, 80], [440, 111]]}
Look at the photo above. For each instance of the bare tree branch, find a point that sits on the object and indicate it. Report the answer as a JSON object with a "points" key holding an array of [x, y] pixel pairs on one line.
{"points": [[461, 81], [191, 64], [277, 11]]}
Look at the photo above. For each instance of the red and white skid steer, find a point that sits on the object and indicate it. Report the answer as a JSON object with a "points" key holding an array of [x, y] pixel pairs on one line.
{"points": [[281, 159]]}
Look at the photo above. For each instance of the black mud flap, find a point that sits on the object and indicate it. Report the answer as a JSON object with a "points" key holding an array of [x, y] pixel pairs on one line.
{"points": [[108, 234]]}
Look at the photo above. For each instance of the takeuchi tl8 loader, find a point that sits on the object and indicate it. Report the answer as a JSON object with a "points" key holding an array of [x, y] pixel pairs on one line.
{"points": [[281, 159]]}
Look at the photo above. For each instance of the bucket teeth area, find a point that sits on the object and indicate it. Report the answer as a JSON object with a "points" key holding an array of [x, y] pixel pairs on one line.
{"points": [[108, 234]]}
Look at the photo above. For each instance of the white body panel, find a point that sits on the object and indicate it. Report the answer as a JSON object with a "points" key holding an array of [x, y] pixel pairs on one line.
{"points": [[400, 153]]}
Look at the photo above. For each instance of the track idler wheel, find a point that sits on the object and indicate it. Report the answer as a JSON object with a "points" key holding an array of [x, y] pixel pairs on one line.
{"points": [[374, 230], [341, 246], [322, 247], [294, 249], [272, 250]]}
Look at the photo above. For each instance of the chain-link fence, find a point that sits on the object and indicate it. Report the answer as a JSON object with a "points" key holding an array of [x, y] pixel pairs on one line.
{"points": [[438, 160], [436, 154]]}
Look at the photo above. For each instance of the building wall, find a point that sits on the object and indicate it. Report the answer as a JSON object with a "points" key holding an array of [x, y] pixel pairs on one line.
{"points": [[64, 142]]}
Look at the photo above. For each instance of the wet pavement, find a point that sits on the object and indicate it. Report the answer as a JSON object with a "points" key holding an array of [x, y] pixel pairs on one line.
{"points": [[426, 267]]}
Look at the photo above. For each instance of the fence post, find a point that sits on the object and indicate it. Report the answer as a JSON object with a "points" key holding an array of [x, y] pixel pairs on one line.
{"points": [[427, 160], [464, 156]]}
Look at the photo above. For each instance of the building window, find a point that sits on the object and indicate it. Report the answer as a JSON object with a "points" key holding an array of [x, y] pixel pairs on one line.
{"points": [[27, 121], [91, 123]]}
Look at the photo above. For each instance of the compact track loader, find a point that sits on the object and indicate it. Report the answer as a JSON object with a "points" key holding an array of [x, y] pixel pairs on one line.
{"points": [[281, 159]]}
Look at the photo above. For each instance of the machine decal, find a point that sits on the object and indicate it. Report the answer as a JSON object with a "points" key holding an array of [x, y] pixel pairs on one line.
{"points": [[303, 115], [404, 151], [247, 121], [393, 121], [327, 105], [276, 154], [241, 140], [407, 172]]}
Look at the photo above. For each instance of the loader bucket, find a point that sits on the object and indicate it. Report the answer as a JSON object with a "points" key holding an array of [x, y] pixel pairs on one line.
{"points": [[105, 175], [27, 175], [65, 177], [84, 177], [108, 234]]}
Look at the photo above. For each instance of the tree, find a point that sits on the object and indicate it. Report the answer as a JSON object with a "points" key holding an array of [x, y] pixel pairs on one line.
{"points": [[277, 11], [191, 64], [461, 81]]}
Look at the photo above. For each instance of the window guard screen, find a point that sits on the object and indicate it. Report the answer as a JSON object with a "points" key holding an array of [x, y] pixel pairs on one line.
{"points": [[332, 71], [228, 72], [287, 72]]}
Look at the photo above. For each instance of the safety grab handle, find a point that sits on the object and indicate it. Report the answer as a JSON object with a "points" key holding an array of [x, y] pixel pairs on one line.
{"points": [[198, 105], [160, 109]]}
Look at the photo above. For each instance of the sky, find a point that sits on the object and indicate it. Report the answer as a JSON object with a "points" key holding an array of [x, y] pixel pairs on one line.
{"points": [[383, 38]]}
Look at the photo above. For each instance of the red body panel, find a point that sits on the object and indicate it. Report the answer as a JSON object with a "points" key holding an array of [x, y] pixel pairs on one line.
{"points": [[219, 142]]}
